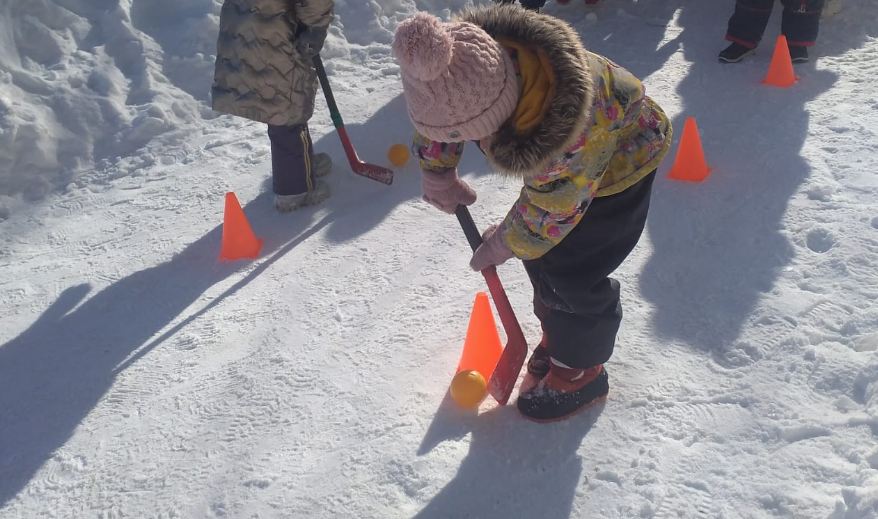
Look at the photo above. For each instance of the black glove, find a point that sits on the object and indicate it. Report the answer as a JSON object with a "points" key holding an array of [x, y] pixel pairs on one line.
{"points": [[310, 41]]}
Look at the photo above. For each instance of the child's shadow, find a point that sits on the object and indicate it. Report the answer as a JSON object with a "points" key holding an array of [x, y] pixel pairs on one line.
{"points": [[54, 373], [719, 246], [514, 468], [374, 201]]}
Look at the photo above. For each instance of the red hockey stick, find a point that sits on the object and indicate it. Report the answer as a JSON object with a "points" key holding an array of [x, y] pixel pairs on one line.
{"points": [[365, 169], [509, 366]]}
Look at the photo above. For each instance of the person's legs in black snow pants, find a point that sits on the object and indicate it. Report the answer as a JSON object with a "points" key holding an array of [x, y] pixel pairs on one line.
{"points": [[801, 21], [575, 299]]}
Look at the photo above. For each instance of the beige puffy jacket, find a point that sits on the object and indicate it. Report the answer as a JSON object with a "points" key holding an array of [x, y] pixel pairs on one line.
{"points": [[259, 73]]}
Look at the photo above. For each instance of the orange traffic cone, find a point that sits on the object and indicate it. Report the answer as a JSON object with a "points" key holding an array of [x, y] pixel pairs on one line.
{"points": [[481, 351], [780, 71], [238, 239], [690, 164]]}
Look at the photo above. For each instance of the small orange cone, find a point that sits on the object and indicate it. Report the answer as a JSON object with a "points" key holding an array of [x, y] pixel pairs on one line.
{"points": [[238, 242], [690, 165], [780, 71], [481, 351]]}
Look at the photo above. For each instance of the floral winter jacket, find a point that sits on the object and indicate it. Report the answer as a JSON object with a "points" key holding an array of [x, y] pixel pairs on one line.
{"points": [[597, 135]]}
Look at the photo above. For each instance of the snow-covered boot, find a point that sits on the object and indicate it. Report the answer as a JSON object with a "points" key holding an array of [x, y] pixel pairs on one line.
{"points": [[322, 164], [563, 391], [287, 203]]}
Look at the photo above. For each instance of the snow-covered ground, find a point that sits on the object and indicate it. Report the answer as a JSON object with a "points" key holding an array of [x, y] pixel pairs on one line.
{"points": [[139, 377]]}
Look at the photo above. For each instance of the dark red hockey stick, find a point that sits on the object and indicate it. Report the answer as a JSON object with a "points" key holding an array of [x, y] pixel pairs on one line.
{"points": [[365, 169], [509, 366]]}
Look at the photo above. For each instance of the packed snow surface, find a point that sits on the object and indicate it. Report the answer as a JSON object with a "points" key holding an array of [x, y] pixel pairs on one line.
{"points": [[140, 377]]}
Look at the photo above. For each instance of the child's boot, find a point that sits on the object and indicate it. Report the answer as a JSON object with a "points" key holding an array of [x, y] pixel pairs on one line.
{"points": [[735, 53], [295, 168], [563, 391], [287, 203], [798, 54], [322, 164]]}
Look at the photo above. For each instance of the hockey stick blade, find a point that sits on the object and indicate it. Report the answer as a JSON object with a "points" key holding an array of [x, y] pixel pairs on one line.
{"points": [[383, 175], [512, 359]]}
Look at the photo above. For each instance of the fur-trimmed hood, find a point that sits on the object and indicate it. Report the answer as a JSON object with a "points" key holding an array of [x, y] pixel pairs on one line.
{"points": [[569, 111]]}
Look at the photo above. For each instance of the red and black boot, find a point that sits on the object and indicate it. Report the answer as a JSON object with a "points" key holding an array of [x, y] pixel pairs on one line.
{"points": [[562, 391]]}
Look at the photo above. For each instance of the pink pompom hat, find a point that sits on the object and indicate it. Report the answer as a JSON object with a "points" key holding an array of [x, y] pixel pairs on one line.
{"points": [[459, 83]]}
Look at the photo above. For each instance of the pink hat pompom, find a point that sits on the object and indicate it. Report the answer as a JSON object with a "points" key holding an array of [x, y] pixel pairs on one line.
{"points": [[423, 47], [459, 82]]}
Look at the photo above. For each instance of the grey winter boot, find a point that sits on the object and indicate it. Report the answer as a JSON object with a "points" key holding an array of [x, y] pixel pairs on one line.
{"points": [[287, 203], [322, 164]]}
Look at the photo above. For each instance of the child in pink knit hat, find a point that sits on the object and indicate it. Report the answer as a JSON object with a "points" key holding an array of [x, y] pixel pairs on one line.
{"points": [[585, 141]]}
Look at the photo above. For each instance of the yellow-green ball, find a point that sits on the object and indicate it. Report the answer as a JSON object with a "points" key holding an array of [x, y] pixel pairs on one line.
{"points": [[398, 154], [469, 388]]}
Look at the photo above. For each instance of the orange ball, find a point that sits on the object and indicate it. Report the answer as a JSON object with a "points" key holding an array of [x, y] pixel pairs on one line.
{"points": [[398, 155], [469, 388]]}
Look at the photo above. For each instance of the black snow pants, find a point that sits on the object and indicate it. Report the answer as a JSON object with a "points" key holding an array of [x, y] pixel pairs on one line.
{"points": [[576, 301], [801, 21]]}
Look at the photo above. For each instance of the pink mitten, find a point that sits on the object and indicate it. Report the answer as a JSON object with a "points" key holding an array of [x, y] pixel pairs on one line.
{"points": [[492, 251], [445, 190]]}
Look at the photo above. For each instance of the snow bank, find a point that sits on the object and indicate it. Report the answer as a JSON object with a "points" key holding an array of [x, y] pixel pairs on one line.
{"points": [[84, 83], [138, 377]]}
